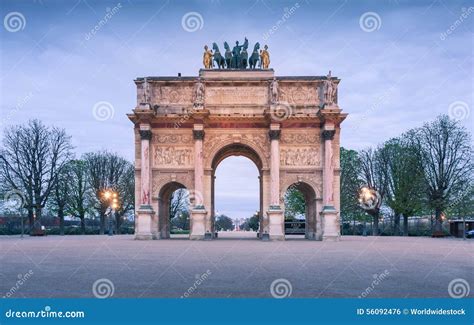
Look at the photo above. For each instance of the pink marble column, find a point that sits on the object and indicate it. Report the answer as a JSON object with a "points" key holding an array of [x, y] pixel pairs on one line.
{"points": [[145, 175], [328, 171], [274, 134], [198, 134]]}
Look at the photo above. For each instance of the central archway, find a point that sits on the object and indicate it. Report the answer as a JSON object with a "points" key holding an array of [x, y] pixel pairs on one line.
{"points": [[236, 149]]}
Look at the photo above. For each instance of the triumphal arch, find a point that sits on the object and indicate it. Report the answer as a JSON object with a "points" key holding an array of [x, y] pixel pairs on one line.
{"points": [[289, 126]]}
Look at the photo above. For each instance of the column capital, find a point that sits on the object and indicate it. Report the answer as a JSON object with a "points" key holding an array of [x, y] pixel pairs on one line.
{"points": [[198, 134], [274, 134], [145, 134], [328, 134]]}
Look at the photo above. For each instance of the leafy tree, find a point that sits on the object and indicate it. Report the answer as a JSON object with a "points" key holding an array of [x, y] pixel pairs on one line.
{"points": [[254, 222], [31, 158], [223, 222], [444, 149], [404, 179], [295, 205], [350, 184]]}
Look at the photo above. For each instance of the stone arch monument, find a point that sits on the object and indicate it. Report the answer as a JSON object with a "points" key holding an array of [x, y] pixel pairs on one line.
{"points": [[288, 126]]}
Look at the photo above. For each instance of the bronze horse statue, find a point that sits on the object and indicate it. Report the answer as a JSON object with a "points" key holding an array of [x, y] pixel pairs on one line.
{"points": [[218, 57], [255, 57], [227, 55]]}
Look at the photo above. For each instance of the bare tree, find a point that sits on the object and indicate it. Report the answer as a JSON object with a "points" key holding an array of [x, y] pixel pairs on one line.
{"points": [[444, 147], [105, 171], [79, 195], [60, 196], [373, 176], [126, 192], [31, 158]]}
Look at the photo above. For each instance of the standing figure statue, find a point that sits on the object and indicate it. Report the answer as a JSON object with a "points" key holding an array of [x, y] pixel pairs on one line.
{"points": [[236, 55], [274, 91], [227, 55], [244, 57], [254, 58], [330, 90], [265, 57], [207, 58], [199, 97], [218, 57]]}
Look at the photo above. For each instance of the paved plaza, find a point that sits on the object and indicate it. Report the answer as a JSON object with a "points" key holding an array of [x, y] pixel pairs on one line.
{"points": [[371, 267]]}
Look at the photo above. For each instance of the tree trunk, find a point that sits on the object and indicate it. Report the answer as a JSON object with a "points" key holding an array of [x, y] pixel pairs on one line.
{"points": [[405, 225], [354, 226], [37, 219], [375, 227], [30, 220], [118, 223], [61, 221], [396, 227], [438, 228], [83, 225], [102, 224]]}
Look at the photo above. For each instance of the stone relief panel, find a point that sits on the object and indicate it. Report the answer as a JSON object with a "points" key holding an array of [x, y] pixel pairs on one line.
{"points": [[172, 156], [233, 95], [161, 179], [258, 141], [300, 156], [172, 138], [169, 95], [300, 94], [315, 180], [301, 138]]}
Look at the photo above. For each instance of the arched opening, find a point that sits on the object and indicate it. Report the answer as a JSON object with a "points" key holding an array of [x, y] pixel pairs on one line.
{"points": [[300, 211], [174, 215], [238, 171]]}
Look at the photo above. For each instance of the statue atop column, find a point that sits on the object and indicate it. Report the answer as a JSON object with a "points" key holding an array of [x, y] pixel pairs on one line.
{"points": [[330, 88], [207, 58], [265, 57]]}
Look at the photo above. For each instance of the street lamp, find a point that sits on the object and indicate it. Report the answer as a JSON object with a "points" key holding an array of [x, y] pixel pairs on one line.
{"points": [[110, 197]]}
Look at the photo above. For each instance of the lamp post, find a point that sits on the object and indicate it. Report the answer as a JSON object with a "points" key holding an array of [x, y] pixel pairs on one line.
{"points": [[111, 198]]}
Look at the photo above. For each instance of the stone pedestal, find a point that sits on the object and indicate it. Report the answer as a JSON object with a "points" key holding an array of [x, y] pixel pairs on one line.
{"points": [[330, 221], [276, 223], [198, 224], [144, 224]]}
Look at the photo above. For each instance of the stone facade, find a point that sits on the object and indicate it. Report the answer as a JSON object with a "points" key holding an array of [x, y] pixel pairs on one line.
{"points": [[185, 126]]}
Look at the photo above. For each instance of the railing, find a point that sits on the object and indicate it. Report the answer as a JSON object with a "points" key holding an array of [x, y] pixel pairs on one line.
{"points": [[295, 227]]}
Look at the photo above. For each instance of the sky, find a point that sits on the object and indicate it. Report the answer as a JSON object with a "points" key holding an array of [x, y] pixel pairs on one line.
{"points": [[401, 63]]}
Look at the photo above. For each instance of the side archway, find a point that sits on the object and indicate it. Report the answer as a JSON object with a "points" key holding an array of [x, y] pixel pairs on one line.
{"points": [[164, 203]]}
